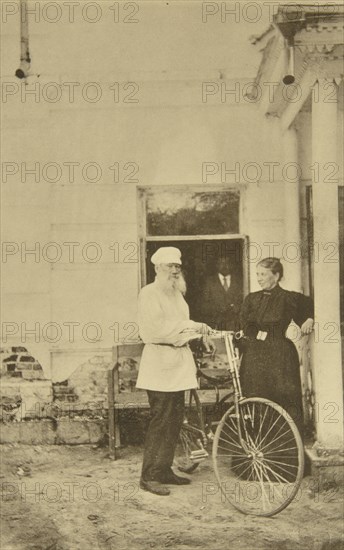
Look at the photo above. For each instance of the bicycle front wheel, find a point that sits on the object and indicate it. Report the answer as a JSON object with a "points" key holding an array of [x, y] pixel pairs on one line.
{"points": [[258, 457]]}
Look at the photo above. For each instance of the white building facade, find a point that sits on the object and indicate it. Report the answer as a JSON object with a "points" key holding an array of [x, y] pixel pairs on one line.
{"points": [[132, 134]]}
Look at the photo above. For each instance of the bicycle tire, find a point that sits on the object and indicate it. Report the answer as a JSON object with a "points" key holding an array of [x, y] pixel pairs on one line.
{"points": [[260, 472], [192, 438]]}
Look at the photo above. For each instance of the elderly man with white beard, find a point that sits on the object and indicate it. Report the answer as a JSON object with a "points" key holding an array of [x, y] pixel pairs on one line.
{"points": [[167, 367]]}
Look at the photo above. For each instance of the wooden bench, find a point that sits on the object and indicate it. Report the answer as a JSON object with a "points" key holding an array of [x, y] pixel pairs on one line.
{"points": [[121, 381], [123, 396]]}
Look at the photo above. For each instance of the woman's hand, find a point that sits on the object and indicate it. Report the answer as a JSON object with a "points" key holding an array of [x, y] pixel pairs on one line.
{"points": [[307, 326]]}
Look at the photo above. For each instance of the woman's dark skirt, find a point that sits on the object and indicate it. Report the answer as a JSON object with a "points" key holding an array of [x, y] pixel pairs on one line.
{"points": [[270, 369]]}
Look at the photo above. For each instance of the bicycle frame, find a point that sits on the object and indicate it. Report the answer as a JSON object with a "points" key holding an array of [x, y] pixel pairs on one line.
{"points": [[233, 368], [234, 362], [202, 431]]}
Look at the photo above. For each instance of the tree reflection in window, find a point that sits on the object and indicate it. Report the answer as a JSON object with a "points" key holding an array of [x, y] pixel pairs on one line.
{"points": [[192, 213]]}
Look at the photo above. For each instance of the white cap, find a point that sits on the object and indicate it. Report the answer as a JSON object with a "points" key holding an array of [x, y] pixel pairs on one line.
{"points": [[167, 255]]}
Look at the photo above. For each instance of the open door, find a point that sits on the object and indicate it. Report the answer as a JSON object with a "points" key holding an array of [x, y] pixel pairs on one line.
{"points": [[199, 256]]}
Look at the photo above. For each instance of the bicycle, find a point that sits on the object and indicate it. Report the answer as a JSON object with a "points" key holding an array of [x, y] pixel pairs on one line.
{"points": [[257, 451]]}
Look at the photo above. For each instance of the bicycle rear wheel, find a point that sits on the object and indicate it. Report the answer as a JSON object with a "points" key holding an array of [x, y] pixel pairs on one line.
{"points": [[191, 449], [258, 457]]}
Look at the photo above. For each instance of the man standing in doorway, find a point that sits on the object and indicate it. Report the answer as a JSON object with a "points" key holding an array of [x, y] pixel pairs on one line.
{"points": [[221, 298], [167, 366]]}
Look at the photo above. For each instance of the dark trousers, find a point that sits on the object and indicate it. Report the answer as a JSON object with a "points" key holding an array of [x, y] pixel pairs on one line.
{"points": [[167, 415]]}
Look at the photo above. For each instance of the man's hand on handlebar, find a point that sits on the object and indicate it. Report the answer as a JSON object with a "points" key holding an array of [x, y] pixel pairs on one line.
{"points": [[208, 345]]}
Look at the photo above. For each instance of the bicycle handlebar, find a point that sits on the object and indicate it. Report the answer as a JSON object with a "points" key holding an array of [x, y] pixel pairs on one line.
{"points": [[237, 335]]}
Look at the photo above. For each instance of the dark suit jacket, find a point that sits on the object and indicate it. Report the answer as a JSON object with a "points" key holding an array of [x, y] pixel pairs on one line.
{"points": [[220, 309]]}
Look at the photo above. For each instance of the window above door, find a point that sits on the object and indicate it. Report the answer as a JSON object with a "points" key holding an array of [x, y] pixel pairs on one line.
{"points": [[187, 211]]}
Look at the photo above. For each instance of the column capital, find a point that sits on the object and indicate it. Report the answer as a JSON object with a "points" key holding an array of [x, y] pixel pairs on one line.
{"points": [[321, 36], [320, 44], [325, 91]]}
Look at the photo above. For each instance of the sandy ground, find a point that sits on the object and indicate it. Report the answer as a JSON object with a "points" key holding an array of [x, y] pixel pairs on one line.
{"points": [[71, 498]]}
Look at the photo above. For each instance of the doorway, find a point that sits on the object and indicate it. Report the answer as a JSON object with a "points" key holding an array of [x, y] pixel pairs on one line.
{"points": [[199, 258]]}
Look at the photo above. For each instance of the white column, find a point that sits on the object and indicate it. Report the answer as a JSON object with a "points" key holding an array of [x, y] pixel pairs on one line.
{"points": [[292, 255], [327, 347]]}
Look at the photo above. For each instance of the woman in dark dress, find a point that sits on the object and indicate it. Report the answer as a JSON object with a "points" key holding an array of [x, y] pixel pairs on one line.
{"points": [[270, 365]]}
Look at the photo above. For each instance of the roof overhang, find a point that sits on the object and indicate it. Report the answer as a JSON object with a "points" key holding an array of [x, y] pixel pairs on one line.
{"points": [[316, 34]]}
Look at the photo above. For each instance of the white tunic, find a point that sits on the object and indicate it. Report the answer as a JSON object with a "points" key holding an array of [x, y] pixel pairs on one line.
{"points": [[164, 319]]}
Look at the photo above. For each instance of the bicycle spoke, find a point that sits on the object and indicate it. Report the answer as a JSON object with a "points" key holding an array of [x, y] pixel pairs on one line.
{"points": [[279, 462], [262, 486], [230, 453], [262, 422], [274, 485], [243, 472], [234, 429], [278, 476], [229, 438], [281, 467], [291, 438], [281, 448], [268, 432]]}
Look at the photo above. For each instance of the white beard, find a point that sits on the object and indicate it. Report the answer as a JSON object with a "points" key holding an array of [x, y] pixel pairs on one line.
{"points": [[171, 284]]}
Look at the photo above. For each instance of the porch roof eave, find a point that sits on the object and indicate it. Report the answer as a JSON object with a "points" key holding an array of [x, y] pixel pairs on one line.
{"points": [[275, 99]]}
